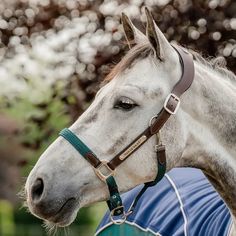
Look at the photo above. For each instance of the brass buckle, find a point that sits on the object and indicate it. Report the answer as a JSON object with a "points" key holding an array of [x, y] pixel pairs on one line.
{"points": [[176, 98], [103, 174]]}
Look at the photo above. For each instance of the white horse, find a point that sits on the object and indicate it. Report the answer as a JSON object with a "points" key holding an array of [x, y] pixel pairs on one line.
{"points": [[202, 134]]}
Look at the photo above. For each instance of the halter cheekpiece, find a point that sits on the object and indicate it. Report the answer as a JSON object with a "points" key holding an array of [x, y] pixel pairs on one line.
{"points": [[105, 170]]}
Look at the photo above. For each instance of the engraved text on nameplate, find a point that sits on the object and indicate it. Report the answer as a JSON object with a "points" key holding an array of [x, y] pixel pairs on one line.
{"points": [[133, 147]]}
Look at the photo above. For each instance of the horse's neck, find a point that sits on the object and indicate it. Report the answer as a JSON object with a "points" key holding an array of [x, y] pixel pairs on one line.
{"points": [[212, 104], [209, 110]]}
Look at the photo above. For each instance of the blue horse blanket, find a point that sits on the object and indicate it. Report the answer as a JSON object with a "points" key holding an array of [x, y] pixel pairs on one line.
{"points": [[183, 203]]}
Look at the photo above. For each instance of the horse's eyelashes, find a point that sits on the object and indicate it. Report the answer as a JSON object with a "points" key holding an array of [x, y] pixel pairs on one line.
{"points": [[125, 104]]}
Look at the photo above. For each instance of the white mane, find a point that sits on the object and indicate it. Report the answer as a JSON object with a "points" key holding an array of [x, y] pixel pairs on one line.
{"points": [[217, 64]]}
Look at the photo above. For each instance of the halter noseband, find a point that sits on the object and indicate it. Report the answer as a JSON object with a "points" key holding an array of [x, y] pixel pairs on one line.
{"points": [[105, 170]]}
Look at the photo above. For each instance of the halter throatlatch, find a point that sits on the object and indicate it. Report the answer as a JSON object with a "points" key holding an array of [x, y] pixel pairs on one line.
{"points": [[105, 170]]}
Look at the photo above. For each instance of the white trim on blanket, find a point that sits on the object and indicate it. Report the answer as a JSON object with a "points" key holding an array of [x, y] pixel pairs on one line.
{"points": [[180, 203], [230, 227]]}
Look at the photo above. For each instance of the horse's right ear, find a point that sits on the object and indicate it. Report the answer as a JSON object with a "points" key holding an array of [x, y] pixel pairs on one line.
{"points": [[132, 34]]}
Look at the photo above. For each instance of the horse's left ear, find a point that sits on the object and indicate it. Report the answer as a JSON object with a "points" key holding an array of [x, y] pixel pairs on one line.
{"points": [[132, 34], [160, 44]]}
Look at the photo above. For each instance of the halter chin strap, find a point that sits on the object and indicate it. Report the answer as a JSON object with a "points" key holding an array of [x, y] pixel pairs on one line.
{"points": [[105, 170]]}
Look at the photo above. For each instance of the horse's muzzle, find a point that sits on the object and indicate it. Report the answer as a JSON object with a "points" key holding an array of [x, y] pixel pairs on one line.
{"points": [[51, 208]]}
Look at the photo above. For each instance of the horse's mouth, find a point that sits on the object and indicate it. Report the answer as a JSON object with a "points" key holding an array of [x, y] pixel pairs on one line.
{"points": [[66, 214]]}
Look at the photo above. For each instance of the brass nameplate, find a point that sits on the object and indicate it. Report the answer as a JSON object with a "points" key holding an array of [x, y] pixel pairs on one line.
{"points": [[133, 147]]}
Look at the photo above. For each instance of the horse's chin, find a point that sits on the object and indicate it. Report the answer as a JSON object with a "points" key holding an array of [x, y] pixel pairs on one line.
{"points": [[62, 220], [63, 217], [52, 225]]}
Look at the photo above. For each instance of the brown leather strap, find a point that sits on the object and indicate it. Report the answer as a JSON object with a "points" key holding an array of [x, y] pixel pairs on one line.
{"points": [[92, 159], [171, 104], [186, 61], [161, 154]]}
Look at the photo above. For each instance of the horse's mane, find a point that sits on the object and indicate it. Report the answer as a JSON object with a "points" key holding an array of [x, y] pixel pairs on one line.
{"points": [[217, 64], [144, 49]]}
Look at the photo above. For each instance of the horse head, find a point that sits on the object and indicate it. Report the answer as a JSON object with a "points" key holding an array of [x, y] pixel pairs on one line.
{"points": [[62, 181]]}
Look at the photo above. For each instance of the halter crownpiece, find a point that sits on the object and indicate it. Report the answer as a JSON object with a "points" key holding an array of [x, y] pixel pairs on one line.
{"points": [[105, 170]]}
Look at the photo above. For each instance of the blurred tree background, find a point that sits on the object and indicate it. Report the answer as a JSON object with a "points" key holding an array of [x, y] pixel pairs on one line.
{"points": [[53, 56]]}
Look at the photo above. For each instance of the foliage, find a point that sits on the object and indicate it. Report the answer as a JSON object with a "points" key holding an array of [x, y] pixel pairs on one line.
{"points": [[40, 112], [6, 219]]}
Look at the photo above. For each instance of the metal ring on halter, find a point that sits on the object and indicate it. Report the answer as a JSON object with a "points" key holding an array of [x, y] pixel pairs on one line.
{"points": [[119, 221], [151, 120]]}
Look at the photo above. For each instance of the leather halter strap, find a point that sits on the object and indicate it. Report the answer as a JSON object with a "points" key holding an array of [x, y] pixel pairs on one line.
{"points": [[170, 107]]}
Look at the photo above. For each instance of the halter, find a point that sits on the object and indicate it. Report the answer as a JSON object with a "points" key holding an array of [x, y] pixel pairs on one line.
{"points": [[105, 170]]}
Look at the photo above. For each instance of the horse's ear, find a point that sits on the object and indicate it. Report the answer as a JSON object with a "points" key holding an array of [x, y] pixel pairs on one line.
{"points": [[132, 34], [157, 39]]}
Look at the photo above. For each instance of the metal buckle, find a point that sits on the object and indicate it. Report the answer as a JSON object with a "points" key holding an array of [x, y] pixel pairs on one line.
{"points": [[171, 95], [104, 174], [120, 220], [159, 147]]}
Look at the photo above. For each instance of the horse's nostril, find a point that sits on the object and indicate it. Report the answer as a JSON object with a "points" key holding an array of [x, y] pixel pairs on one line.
{"points": [[37, 189]]}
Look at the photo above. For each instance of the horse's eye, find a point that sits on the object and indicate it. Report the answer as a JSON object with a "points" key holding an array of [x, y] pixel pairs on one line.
{"points": [[125, 104]]}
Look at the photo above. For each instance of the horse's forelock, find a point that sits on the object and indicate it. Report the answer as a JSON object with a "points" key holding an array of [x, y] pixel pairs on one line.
{"points": [[139, 51]]}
